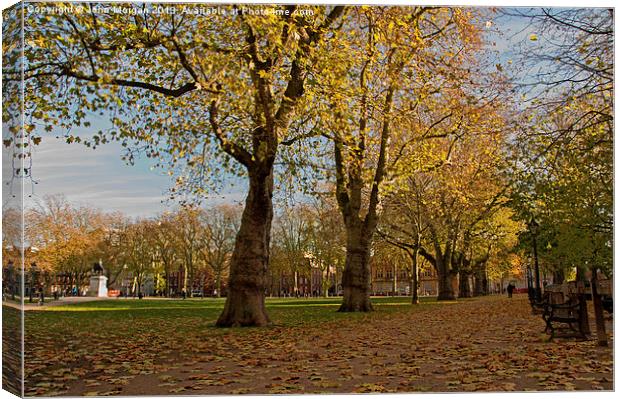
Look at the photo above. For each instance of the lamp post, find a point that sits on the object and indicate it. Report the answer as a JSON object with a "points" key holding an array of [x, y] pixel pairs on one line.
{"points": [[534, 230]]}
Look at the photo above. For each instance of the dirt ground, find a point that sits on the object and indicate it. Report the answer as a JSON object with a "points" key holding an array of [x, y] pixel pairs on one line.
{"points": [[483, 344]]}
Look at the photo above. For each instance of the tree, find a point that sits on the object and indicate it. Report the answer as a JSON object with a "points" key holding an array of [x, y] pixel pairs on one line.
{"points": [[438, 212], [281, 274], [188, 234], [291, 231], [391, 258], [494, 247], [462, 196], [13, 251], [107, 249], [207, 93], [308, 247], [11, 234], [326, 240], [404, 225], [563, 164], [221, 223], [138, 252], [395, 59], [165, 238], [66, 237], [563, 152], [569, 57]]}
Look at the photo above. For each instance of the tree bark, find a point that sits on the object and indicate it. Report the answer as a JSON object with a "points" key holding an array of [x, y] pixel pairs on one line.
{"points": [[480, 281], [185, 276], [446, 285], [245, 300], [444, 274], [465, 290], [414, 278], [584, 320], [356, 275], [601, 334], [326, 284], [394, 280], [218, 285], [167, 284], [584, 323], [479, 285]]}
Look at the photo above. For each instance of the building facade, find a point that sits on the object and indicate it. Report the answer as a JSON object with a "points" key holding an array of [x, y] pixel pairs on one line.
{"points": [[393, 279]]}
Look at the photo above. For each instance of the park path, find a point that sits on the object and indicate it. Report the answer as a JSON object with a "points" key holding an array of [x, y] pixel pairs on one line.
{"points": [[483, 344], [68, 300]]}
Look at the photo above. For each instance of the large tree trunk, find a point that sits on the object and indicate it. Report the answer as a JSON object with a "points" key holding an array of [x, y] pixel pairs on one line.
{"points": [[185, 276], [479, 285], [356, 275], [480, 281], [395, 280], [446, 285], [218, 284], [445, 278], [446, 293], [465, 290], [245, 300], [601, 334], [167, 285], [326, 283], [414, 278], [584, 320]]}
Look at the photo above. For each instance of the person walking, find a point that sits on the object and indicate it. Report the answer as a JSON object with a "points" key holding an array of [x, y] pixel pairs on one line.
{"points": [[510, 288]]}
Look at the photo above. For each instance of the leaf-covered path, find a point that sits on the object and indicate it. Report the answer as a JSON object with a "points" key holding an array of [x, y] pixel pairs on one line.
{"points": [[488, 344]]}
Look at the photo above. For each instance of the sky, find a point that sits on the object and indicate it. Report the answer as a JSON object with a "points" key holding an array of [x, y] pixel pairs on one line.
{"points": [[101, 179]]}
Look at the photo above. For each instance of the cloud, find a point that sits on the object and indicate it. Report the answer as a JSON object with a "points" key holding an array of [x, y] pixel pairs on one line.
{"points": [[101, 179], [98, 178]]}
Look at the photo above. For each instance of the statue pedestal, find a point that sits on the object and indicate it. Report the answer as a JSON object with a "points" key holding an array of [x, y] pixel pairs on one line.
{"points": [[98, 286]]}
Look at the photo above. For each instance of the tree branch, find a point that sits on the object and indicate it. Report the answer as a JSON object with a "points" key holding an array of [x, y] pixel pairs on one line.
{"points": [[186, 88], [233, 149]]}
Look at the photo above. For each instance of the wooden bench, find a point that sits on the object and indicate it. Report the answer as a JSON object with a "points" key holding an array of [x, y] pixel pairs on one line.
{"points": [[559, 310], [605, 289]]}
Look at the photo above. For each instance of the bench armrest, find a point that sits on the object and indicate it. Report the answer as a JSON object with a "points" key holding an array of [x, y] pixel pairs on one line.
{"points": [[569, 305]]}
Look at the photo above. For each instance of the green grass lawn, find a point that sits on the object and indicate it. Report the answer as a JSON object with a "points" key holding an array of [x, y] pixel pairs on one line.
{"points": [[283, 311]]}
